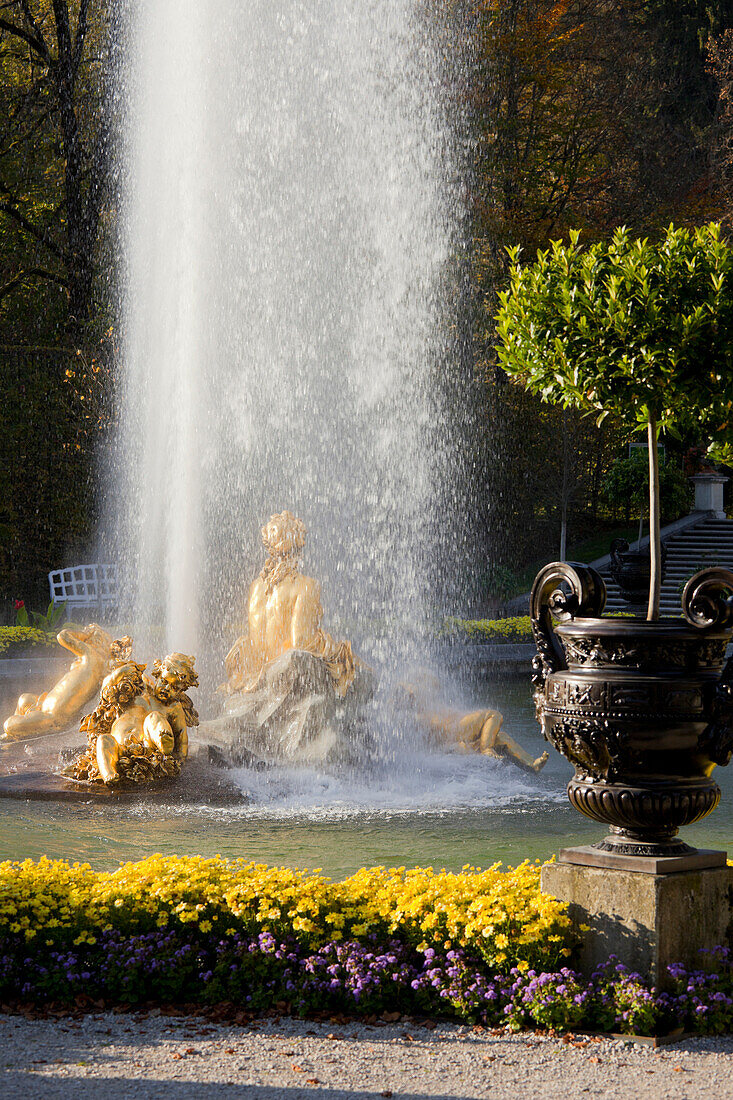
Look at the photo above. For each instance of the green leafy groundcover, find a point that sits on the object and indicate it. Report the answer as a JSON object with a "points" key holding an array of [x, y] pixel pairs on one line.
{"points": [[15, 640], [200, 932], [516, 628]]}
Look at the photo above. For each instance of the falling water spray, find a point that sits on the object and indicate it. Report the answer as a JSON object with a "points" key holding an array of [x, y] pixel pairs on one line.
{"points": [[288, 222]]}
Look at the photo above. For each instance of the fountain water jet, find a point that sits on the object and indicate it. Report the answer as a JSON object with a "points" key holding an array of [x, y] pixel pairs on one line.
{"points": [[288, 223]]}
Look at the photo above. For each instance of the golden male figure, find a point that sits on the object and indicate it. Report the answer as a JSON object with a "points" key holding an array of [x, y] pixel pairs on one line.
{"points": [[284, 612], [94, 650], [481, 731], [476, 731]]}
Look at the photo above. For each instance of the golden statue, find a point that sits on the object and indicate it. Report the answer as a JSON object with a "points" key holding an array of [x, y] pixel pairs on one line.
{"points": [[293, 691], [476, 731], [139, 730], [54, 710], [285, 612]]}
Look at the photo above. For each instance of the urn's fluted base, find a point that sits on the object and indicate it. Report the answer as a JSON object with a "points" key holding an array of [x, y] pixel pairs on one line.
{"points": [[622, 843], [644, 820]]}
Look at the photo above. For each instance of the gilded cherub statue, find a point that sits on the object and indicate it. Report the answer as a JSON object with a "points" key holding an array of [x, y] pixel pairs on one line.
{"points": [[55, 709], [139, 730], [292, 688], [477, 731]]}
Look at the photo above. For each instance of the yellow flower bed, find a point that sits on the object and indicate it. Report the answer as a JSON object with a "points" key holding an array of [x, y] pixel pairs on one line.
{"points": [[500, 915], [516, 628], [20, 637]]}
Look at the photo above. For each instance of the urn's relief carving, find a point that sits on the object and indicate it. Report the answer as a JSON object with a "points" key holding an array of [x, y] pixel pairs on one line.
{"points": [[580, 694], [629, 697], [673, 656], [597, 652], [556, 692], [585, 745], [711, 654], [577, 650], [717, 739], [682, 700]]}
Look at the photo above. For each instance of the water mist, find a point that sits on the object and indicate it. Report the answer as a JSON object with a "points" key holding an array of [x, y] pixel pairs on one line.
{"points": [[288, 224]]}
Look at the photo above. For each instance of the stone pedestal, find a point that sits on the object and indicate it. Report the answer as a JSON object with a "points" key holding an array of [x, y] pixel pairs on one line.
{"points": [[649, 917], [709, 493]]}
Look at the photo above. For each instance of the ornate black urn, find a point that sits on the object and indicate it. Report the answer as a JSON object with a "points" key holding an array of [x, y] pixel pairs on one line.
{"points": [[642, 710], [631, 570]]}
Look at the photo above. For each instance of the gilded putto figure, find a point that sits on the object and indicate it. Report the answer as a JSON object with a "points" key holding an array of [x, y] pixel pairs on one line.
{"points": [[139, 730]]}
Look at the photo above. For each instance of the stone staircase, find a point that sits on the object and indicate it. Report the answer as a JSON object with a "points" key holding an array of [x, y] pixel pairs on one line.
{"points": [[706, 542]]}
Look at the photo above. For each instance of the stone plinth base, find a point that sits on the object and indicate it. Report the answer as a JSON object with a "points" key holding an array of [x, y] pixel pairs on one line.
{"points": [[697, 860], [648, 920]]}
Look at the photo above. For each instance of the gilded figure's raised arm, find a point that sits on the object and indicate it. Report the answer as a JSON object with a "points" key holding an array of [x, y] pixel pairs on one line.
{"points": [[74, 640]]}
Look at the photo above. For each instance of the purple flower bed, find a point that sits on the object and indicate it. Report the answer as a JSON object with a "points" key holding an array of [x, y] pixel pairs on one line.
{"points": [[358, 979]]}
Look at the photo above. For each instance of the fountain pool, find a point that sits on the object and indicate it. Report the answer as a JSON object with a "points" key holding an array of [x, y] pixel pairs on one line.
{"points": [[447, 811]]}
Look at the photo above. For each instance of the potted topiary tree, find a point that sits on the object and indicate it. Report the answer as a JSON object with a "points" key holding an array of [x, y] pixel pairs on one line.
{"points": [[641, 331]]}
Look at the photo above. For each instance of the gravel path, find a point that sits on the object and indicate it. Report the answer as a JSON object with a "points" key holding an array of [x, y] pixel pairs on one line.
{"points": [[108, 1056]]}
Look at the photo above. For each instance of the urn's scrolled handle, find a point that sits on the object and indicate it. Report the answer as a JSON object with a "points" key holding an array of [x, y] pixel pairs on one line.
{"points": [[707, 603], [707, 599], [586, 596]]}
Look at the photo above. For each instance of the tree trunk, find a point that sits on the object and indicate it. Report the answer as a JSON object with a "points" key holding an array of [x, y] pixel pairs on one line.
{"points": [[565, 488], [655, 542], [80, 278]]}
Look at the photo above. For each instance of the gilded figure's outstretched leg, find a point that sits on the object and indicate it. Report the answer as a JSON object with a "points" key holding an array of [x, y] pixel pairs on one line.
{"points": [[158, 733], [494, 740], [507, 746], [108, 755], [29, 724]]}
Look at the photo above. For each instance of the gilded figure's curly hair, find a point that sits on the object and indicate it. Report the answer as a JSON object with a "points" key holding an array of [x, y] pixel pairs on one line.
{"points": [[97, 637], [284, 535], [171, 677]]}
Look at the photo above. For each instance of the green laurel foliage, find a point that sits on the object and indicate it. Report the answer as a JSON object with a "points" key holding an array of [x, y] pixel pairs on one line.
{"points": [[627, 327]]}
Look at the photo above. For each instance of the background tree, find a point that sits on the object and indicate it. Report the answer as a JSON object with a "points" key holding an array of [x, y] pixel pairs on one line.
{"points": [[54, 160], [626, 488], [584, 115], [54, 206], [720, 66]]}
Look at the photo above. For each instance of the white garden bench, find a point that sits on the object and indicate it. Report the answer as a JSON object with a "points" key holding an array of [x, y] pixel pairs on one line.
{"points": [[93, 586]]}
